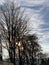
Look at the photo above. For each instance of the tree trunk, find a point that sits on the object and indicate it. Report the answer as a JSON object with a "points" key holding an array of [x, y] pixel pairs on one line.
{"points": [[20, 61]]}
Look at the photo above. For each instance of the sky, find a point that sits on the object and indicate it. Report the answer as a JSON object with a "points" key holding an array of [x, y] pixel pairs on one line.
{"points": [[39, 21], [39, 9]]}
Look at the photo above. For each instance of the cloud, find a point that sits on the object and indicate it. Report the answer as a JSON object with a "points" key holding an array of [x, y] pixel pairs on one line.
{"points": [[45, 48], [34, 2], [1, 1], [39, 20]]}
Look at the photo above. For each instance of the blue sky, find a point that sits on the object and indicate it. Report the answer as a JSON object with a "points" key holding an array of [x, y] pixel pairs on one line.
{"points": [[39, 10]]}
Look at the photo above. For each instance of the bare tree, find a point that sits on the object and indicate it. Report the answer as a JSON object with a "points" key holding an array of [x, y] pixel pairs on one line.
{"points": [[13, 26]]}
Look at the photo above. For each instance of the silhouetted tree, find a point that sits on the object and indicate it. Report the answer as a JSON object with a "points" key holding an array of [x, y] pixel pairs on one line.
{"points": [[14, 31], [34, 48], [13, 26]]}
